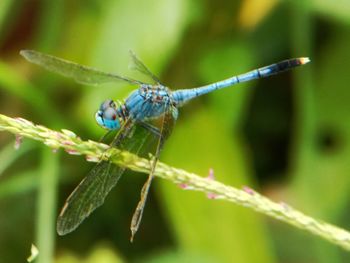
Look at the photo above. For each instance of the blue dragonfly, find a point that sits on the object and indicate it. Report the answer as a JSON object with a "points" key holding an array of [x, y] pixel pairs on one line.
{"points": [[133, 119]]}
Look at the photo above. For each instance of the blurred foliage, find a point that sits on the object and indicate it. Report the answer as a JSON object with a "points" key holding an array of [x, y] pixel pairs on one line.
{"points": [[287, 136]]}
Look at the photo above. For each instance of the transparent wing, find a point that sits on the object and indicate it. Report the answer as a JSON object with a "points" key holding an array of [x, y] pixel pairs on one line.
{"points": [[138, 65], [167, 124], [87, 196], [80, 73], [94, 188]]}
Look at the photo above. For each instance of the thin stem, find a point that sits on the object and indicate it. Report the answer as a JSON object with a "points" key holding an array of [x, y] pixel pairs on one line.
{"points": [[46, 215], [72, 144]]}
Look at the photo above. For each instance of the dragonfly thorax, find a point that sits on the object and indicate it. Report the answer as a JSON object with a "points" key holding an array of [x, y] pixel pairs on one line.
{"points": [[149, 102]]}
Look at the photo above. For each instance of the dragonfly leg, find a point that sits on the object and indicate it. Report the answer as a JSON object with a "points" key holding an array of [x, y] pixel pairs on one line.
{"points": [[137, 216], [105, 136]]}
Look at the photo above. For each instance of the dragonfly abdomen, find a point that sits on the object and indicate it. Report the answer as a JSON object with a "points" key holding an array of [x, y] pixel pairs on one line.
{"points": [[182, 96]]}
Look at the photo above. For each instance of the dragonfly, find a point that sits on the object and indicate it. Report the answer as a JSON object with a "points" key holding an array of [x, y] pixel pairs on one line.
{"points": [[133, 120]]}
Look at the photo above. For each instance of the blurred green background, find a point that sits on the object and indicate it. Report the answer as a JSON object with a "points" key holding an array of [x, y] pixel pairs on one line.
{"points": [[286, 136]]}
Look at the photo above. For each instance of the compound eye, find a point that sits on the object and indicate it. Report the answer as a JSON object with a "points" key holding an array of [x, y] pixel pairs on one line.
{"points": [[107, 104], [99, 113], [110, 113], [112, 104]]}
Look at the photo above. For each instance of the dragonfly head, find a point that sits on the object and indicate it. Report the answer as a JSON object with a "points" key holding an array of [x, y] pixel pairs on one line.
{"points": [[107, 115]]}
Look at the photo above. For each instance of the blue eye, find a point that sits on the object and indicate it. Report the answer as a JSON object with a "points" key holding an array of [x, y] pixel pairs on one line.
{"points": [[107, 116], [110, 114], [107, 104]]}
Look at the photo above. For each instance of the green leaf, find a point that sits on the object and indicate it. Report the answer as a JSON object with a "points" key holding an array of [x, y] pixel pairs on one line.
{"points": [[19, 183], [209, 227], [339, 10], [8, 154]]}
